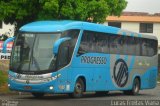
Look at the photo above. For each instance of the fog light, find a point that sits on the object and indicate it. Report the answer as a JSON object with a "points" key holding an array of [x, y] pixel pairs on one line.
{"points": [[51, 87], [9, 85]]}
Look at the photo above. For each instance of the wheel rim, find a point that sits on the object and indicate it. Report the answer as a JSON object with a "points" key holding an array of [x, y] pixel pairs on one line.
{"points": [[136, 87], [78, 89]]}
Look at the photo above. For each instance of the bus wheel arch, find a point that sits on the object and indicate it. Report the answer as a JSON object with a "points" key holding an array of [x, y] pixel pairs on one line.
{"points": [[84, 81], [79, 88], [136, 86], [138, 77]]}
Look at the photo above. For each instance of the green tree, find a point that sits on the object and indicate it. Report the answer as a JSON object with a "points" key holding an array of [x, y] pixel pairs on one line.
{"points": [[24, 11]]}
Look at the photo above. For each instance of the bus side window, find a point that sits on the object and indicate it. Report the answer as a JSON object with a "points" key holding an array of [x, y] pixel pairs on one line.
{"points": [[83, 44], [86, 44], [138, 46], [154, 47], [122, 45], [95, 42], [131, 46], [144, 47], [63, 55], [102, 43], [148, 47], [97, 46], [113, 44]]}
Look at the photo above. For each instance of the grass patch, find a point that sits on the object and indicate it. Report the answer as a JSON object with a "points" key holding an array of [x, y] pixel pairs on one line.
{"points": [[3, 78], [3, 82], [158, 78]]}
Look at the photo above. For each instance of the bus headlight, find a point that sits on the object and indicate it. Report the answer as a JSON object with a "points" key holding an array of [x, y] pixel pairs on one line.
{"points": [[51, 87]]}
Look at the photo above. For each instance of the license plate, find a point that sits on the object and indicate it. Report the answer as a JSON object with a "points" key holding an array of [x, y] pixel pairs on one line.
{"points": [[27, 87]]}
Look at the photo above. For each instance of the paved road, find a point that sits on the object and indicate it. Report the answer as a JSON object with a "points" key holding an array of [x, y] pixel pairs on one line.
{"points": [[146, 97]]}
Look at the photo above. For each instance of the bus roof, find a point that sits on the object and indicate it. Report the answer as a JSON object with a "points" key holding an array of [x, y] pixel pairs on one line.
{"points": [[57, 26]]}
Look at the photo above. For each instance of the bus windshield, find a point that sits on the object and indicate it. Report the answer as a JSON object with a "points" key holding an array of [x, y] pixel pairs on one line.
{"points": [[33, 52]]}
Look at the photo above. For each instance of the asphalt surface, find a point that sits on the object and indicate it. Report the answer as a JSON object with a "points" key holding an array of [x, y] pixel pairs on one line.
{"points": [[116, 98]]}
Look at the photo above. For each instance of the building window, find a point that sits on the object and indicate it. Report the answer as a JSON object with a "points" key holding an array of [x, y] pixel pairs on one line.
{"points": [[115, 24], [146, 28], [0, 24]]}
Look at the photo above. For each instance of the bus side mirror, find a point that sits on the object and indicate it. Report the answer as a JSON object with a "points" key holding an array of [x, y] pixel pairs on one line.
{"points": [[4, 49], [58, 43]]}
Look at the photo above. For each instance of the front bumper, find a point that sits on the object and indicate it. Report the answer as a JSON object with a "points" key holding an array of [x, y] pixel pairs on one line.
{"points": [[43, 87]]}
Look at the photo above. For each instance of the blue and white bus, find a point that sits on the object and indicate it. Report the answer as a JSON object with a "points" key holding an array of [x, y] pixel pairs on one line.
{"points": [[74, 57]]}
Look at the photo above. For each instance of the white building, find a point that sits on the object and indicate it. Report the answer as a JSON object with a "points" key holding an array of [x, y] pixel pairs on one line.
{"points": [[7, 29], [137, 22]]}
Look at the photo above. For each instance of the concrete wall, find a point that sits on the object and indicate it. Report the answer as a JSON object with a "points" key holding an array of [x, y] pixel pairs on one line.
{"points": [[130, 26], [156, 31]]}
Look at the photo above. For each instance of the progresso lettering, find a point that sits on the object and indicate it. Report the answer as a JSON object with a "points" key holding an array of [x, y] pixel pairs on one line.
{"points": [[93, 60]]}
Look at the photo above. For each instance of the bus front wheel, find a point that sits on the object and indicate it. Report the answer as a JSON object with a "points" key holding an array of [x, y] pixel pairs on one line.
{"points": [[78, 89], [135, 88], [38, 95]]}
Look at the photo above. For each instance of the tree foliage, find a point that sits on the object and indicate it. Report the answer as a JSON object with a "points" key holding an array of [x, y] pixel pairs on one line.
{"points": [[24, 11]]}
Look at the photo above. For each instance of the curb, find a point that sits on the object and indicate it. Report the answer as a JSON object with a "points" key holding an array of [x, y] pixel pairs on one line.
{"points": [[14, 93]]}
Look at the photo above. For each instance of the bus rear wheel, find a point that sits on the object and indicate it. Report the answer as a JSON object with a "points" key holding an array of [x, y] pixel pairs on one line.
{"points": [[38, 95], [135, 88], [78, 89]]}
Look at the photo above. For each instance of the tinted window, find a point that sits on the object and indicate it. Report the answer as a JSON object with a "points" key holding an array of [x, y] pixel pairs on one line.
{"points": [[117, 44], [87, 41], [113, 44], [138, 44], [94, 42], [144, 47], [63, 55], [149, 47], [100, 43], [132, 47], [66, 48]]}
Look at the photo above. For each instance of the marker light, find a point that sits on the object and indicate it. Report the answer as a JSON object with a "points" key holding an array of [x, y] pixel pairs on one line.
{"points": [[9, 85], [51, 87]]}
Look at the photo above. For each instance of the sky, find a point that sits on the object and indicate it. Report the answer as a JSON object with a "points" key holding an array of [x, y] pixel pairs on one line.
{"points": [[150, 6]]}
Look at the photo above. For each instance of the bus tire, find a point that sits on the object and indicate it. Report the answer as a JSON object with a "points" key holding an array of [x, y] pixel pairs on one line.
{"points": [[37, 95], [135, 88], [78, 89], [101, 93]]}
